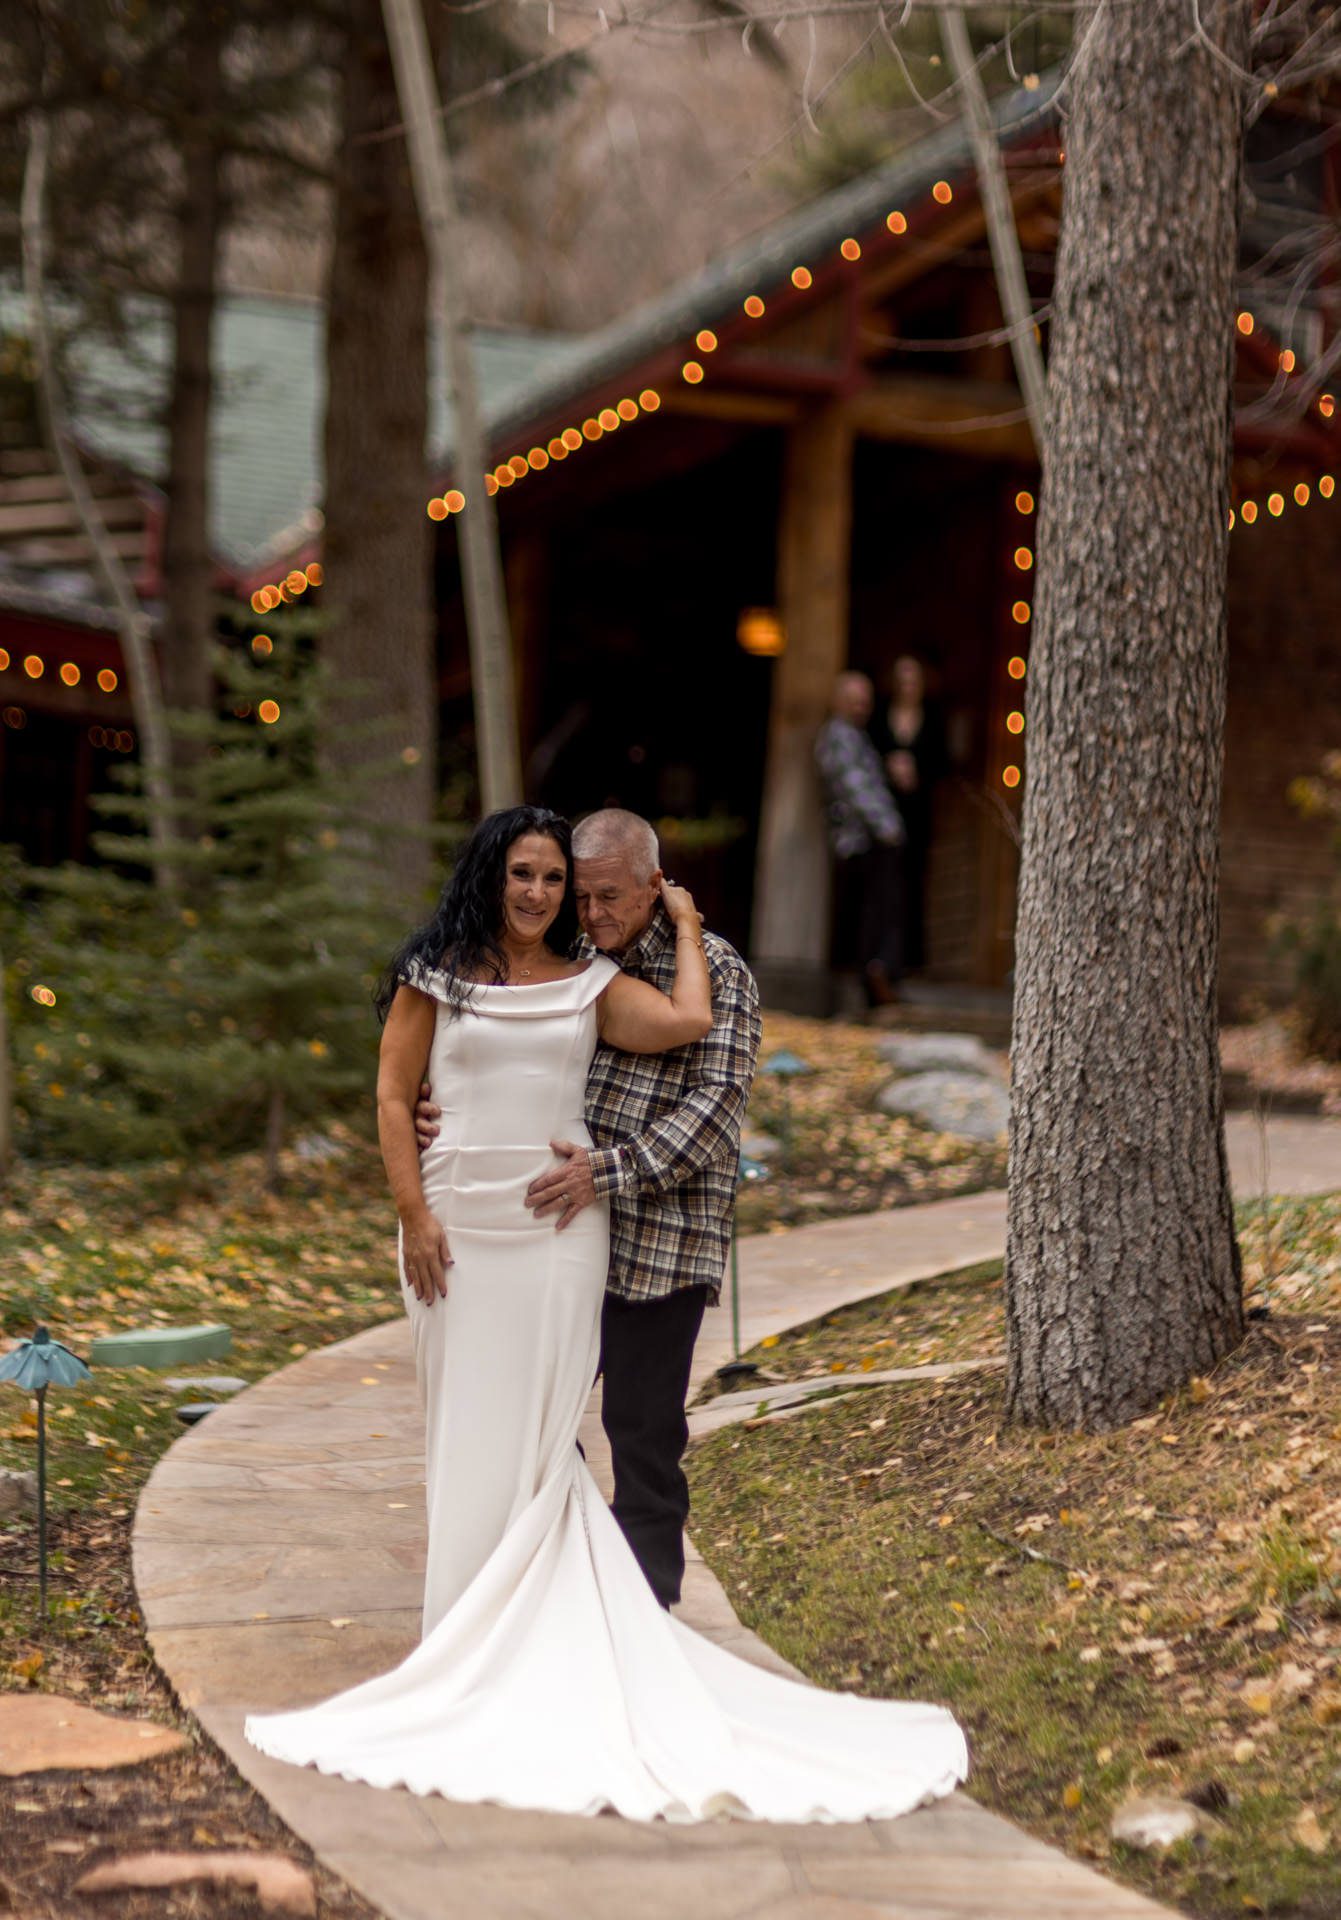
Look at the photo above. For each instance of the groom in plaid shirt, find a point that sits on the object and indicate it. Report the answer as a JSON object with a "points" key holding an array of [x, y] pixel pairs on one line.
{"points": [[667, 1134]]}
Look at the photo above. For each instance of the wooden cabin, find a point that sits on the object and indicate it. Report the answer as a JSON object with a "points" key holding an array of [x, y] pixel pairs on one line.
{"points": [[815, 454]]}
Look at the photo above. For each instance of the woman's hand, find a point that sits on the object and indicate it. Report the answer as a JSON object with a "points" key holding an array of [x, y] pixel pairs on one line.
{"points": [[426, 1256], [679, 904]]}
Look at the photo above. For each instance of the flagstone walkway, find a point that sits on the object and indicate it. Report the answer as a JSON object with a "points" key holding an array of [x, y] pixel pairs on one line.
{"points": [[278, 1556]]}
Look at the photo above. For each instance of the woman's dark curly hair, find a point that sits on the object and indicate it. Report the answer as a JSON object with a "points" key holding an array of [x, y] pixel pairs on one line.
{"points": [[462, 938]]}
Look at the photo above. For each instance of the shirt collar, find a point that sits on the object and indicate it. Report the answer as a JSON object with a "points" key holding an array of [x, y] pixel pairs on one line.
{"points": [[653, 940]]}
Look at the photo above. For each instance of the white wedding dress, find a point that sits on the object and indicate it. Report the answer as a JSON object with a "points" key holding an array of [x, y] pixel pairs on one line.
{"points": [[548, 1676]]}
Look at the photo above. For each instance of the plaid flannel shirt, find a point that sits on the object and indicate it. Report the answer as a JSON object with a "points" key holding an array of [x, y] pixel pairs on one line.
{"points": [[861, 807], [666, 1128]]}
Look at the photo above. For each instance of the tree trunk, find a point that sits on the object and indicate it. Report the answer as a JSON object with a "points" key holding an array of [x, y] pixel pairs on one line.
{"points": [[1122, 1270], [380, 642], [188, 563]]}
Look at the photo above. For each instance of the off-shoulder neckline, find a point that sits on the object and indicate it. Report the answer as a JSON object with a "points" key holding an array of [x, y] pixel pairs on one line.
{"points": [[524, 986]]}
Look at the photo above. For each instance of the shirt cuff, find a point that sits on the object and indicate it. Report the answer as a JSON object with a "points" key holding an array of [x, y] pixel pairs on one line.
{"points": [[610, 1170]]}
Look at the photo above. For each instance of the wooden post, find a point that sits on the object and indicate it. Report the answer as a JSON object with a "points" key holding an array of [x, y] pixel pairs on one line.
{"points": [[791, 898]]}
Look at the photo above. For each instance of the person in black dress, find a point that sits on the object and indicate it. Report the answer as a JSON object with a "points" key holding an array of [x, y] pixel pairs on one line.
{"points": [[910, 740]]}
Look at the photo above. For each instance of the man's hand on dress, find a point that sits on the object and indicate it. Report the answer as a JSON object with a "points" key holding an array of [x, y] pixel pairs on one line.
{"points": [[426, 1256], [563, 1190], [426, 1117]]}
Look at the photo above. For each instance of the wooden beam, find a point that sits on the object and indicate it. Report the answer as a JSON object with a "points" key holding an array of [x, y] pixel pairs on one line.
{"points": [[791, 920], [751, 409], [979, 417]]}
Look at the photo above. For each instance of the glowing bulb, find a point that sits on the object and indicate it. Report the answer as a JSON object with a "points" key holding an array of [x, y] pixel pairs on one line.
{"points": [[518, 466], [557, 450], [1020, 613], [1010, 776], [1286, 360], [315, 576], [1231, 519], [1016, 668], [802, 278], [1245, 324], [692, 372], [296, 582], [649, 399], [1024, 558], [454, 500], [850, 249], [258, 601], [572, 438], [107, 680], [43, 996], [1275, 505], [262, 643], [1326, 486], [592, 429], [608, 418], [705, 340], [754, 306], [1014, 723], [268, 711], [896, 222], [537, 459], [437, 509], [505, 476], [943, 192], [1024, 502], [490, 485], [4, 659], [628, 409], [70, 674], [1301, 494], [1326, 405], [1248, 512], [34, 666]]}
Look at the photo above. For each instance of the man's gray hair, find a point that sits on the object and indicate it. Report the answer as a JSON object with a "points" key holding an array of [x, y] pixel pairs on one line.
{"points": [[614, 834]]}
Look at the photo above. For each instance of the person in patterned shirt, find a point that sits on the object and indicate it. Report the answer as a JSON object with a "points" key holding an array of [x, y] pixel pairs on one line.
{"points": [[666, 1129]]}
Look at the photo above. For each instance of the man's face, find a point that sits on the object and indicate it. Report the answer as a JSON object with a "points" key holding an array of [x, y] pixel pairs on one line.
{"points": [[613, 905], [854, 699]]}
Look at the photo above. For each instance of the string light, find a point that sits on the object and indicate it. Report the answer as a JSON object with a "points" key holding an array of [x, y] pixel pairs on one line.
{"points": [[802, 278], [591, 429], [1024, 502], [628, 409], [1245, 324], [572, 438], [692, 372], [1024, 558], [1301, 494], [1010, 776], [1326, 486], [1248, 512], [1231, 519], [262, 643], [34, 666], [706, 342], [4, 660], [896, 222], [314, 573], [490, 485], [1021, 612], [43, 996], [1014, 723], [754, 306], [1275, 505], [437, 509], [537, 459], [850, 249], [268, 712], [519, 465], [1016, 667], [15, 717], [70, 674], [557, 450], [1326, 405], [107, 680], [608, 418], [1286, 360], [296, 582], [454, 500], [943, 192]]}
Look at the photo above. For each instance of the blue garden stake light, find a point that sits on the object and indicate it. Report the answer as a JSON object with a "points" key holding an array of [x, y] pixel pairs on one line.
{"points": [[736, 1368], [786, 1067], [35, 1365]]}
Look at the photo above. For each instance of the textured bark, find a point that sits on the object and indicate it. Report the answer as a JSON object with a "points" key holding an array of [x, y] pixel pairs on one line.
{"points": [[379, 641], [188, 563], [1122, 1270]]}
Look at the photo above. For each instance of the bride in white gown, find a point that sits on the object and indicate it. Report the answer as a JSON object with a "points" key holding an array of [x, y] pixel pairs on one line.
{"points": [[548, 1675]]}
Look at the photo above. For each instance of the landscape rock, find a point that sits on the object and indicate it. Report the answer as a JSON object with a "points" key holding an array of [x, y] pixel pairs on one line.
{"points": [[278, 1882], [44, 1732], [18, 1491], [1154, 1820], [938, 1053], [968, 1104], [759, 1146]]}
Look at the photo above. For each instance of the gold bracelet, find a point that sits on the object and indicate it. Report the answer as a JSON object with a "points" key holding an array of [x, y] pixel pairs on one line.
{"points": [[689, 936]]}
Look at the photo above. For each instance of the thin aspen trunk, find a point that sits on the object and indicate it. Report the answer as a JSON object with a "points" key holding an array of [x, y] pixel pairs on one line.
{"points": [[1003, 239], [477, 527], [1122, 1276], [133, 628]]}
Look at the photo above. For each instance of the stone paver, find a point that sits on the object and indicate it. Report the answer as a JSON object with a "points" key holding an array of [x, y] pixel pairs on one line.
{"points": [[278, 1556]]}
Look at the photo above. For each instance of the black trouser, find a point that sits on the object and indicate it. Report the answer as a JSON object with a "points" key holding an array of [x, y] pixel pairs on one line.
{"points": [[646, 1350], [869, 908]]}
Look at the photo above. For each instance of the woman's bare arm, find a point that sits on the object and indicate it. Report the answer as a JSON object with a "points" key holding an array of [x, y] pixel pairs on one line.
{"points": [[639, 1018], [406, 1040]]}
